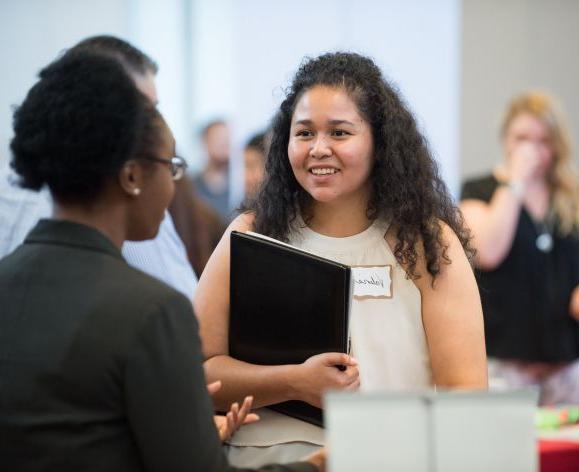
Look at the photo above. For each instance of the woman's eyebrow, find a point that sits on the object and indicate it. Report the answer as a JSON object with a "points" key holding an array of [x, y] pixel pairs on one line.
{"points": [[330, 122], [340, 122]]}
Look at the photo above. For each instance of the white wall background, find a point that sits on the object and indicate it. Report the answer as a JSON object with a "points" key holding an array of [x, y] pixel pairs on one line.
{"points": [[161, 28], [33, 32], [508, 47]]}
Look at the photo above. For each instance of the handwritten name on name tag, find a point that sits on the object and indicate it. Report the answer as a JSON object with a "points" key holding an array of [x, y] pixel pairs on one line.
{"points": [[372, 281]]}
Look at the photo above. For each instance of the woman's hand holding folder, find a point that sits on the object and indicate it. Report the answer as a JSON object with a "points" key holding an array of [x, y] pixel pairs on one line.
{"points": [[270, 384], [327, 371]]}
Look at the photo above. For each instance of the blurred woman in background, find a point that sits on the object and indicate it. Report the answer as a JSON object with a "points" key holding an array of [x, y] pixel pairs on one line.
{"points": [[524, 218]]}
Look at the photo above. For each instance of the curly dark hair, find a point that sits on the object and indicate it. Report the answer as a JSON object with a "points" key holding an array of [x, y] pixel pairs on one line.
{"points": [[79, 124], [406, 185]]}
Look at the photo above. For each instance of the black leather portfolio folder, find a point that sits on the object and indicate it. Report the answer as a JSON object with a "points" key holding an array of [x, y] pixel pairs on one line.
{"points": [[286, 306]]}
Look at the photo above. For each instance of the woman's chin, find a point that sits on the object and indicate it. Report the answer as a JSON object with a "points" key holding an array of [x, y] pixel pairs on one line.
{"points": [[324, 196]]}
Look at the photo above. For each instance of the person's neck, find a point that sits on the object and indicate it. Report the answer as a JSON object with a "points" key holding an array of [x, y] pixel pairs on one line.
{"points": [[339, 219], [105, 218]]}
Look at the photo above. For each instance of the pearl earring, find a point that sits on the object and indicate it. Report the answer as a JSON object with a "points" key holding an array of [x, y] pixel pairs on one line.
{"points": [[136, 191]]}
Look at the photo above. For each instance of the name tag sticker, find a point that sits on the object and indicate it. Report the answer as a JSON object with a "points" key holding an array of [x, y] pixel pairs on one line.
{"points": [[372, 282]]}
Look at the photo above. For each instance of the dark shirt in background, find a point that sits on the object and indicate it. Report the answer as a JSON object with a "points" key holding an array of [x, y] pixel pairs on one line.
{"points": [[198, 225], [526, 298], [218, 201]]}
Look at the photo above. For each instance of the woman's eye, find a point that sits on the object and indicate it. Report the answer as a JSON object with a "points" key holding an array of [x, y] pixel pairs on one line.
{"points": [[340, 133], [304, 133]]}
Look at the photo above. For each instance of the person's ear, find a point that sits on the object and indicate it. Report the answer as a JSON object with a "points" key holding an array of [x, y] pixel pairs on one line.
{"points": [[131, 177]]}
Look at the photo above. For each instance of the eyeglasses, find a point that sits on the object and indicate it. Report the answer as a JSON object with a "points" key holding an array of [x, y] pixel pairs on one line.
{"points": [[177, 163]]}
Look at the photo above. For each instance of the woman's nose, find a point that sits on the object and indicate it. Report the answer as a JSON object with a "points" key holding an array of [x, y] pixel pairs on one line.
{"points": [[320, 147]]}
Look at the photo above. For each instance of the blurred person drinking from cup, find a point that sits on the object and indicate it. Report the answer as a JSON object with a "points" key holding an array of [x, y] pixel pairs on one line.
{"points": [[524, 219]]}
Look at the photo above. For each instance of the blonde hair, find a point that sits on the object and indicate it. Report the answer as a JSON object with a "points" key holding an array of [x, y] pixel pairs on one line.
{"points": [[563, 177]]}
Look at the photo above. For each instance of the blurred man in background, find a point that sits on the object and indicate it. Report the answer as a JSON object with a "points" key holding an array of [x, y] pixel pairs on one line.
{"points": [[212, 183], [254, 163]]}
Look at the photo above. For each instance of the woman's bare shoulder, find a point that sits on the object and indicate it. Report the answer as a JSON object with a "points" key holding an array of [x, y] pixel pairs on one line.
{"points": [[243, 222]]}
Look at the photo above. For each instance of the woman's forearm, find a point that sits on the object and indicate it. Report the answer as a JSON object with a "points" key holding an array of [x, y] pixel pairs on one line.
{"points": [[267, 384], [493, 226]]}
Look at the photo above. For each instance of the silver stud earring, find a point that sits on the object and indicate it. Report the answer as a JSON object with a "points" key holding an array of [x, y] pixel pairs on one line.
{"points": [[136, 191]]}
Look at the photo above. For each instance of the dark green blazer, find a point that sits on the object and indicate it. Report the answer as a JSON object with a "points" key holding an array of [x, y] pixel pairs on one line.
{"points": [[100, 364]]}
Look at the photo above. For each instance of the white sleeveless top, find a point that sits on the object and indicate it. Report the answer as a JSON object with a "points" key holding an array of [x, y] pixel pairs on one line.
{"points": [[387, 334]]}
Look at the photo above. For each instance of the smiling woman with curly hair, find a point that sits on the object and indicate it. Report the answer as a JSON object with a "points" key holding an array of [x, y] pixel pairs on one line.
{"points": [[349, 177]]}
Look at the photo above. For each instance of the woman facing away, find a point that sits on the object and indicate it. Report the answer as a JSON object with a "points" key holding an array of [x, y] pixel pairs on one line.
{"points": [[524, 219], [101, 364], [350, 178]]}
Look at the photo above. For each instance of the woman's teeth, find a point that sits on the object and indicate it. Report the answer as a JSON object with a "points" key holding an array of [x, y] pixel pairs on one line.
{"points": [[324, 171]]}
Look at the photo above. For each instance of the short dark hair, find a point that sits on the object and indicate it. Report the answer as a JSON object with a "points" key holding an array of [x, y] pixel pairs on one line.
{"points": [[257, 141], [406, 185], [79, 124], [133, 59]]}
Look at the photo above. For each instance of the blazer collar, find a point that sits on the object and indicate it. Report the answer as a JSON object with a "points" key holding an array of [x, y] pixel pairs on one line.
{"points": [[67, 233]]}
